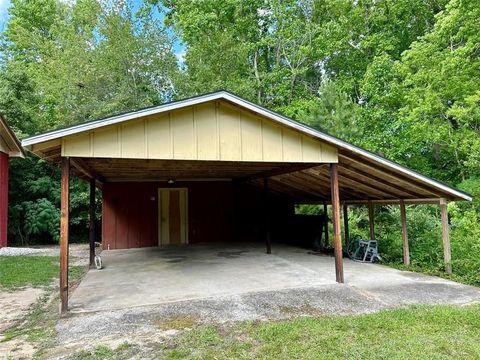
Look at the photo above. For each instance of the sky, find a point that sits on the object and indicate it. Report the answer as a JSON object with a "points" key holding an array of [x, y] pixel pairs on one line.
{"points": [[4, 4]]}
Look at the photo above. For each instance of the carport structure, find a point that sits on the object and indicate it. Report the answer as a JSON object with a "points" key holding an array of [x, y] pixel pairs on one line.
{"points": [[218, 167]]}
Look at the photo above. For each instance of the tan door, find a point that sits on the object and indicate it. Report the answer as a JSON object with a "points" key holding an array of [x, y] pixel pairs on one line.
{"points": [[173, 216]]}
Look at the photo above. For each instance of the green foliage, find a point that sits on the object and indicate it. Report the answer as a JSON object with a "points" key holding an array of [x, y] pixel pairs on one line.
{"points": [[41, 216], [68, 62], [75, 55], [333, 112]]}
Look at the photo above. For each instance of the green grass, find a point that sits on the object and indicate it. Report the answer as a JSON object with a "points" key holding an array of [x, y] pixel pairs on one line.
{"points": [[418, 332], [20, 271]]}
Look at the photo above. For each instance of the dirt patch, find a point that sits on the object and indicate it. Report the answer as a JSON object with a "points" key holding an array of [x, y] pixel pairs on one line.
{"points": [[17, 348], [15, 306], [179, 322], [28, 315], [303, 310]]}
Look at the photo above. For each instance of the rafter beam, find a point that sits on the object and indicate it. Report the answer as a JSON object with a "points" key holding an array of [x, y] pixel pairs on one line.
{"points": [[378, 179], [279, 171], [80, 165], [396, 176]]}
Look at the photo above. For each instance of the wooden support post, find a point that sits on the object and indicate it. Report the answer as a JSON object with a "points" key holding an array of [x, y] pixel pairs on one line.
{"points": [[266, 210], [406, 249], [337, 240], [91, 211], [371, 220], [345, 224], [325, 221], [447, 255], [64, 222]]}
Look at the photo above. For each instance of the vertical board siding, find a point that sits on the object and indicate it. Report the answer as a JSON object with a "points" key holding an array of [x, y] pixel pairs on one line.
{"points": [[183, 134], [229, 126], [133, 138], [210, 131], [105, 142], [272, 141], [77, 145], [292, 145], [207, 135], [158, 137], [129, 216], [311, 149], [251, 132]]}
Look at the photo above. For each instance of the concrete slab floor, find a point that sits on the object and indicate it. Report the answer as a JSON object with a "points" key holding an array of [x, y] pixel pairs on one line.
{"points": [[187, 274]]}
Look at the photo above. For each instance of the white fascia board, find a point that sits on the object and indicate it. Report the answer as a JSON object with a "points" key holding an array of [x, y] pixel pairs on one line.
{"points": [[254, 108]]}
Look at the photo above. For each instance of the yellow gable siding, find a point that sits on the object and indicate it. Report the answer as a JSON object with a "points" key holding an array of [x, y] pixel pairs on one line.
{"points": [[159, 137], [211, 131], [251, 134], [207, 131]]}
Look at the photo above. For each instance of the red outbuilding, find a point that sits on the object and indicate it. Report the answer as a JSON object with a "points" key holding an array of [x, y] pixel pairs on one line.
{"points": [[9, 147]]}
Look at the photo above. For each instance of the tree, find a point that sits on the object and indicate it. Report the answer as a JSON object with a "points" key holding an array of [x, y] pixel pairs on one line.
{"points": [[64, 63]]}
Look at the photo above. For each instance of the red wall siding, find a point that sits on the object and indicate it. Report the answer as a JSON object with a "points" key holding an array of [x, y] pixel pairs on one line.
{"points": [[217, 212], [129, 215], [3, 198]]}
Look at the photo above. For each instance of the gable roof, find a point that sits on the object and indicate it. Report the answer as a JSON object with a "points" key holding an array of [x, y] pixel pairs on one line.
{"points": [[283, 120], [9, 138]]}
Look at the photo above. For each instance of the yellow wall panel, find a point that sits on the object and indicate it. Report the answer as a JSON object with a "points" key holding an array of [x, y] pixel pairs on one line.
{"points": [[292, 145], [105, 142], [329, 153], [251, 132], [271, 141], [183, 134], [133, 139], [311, 150], [159, 144], [77, 145], [229, 127], [207, 136]]}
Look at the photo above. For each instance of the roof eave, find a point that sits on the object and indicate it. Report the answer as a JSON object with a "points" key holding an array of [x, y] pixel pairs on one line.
{"points": [[17, 149]]}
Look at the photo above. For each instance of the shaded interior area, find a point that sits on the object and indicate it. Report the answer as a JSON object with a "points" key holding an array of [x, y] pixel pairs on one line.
{"points": [[231, 201], [218, 211]]}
